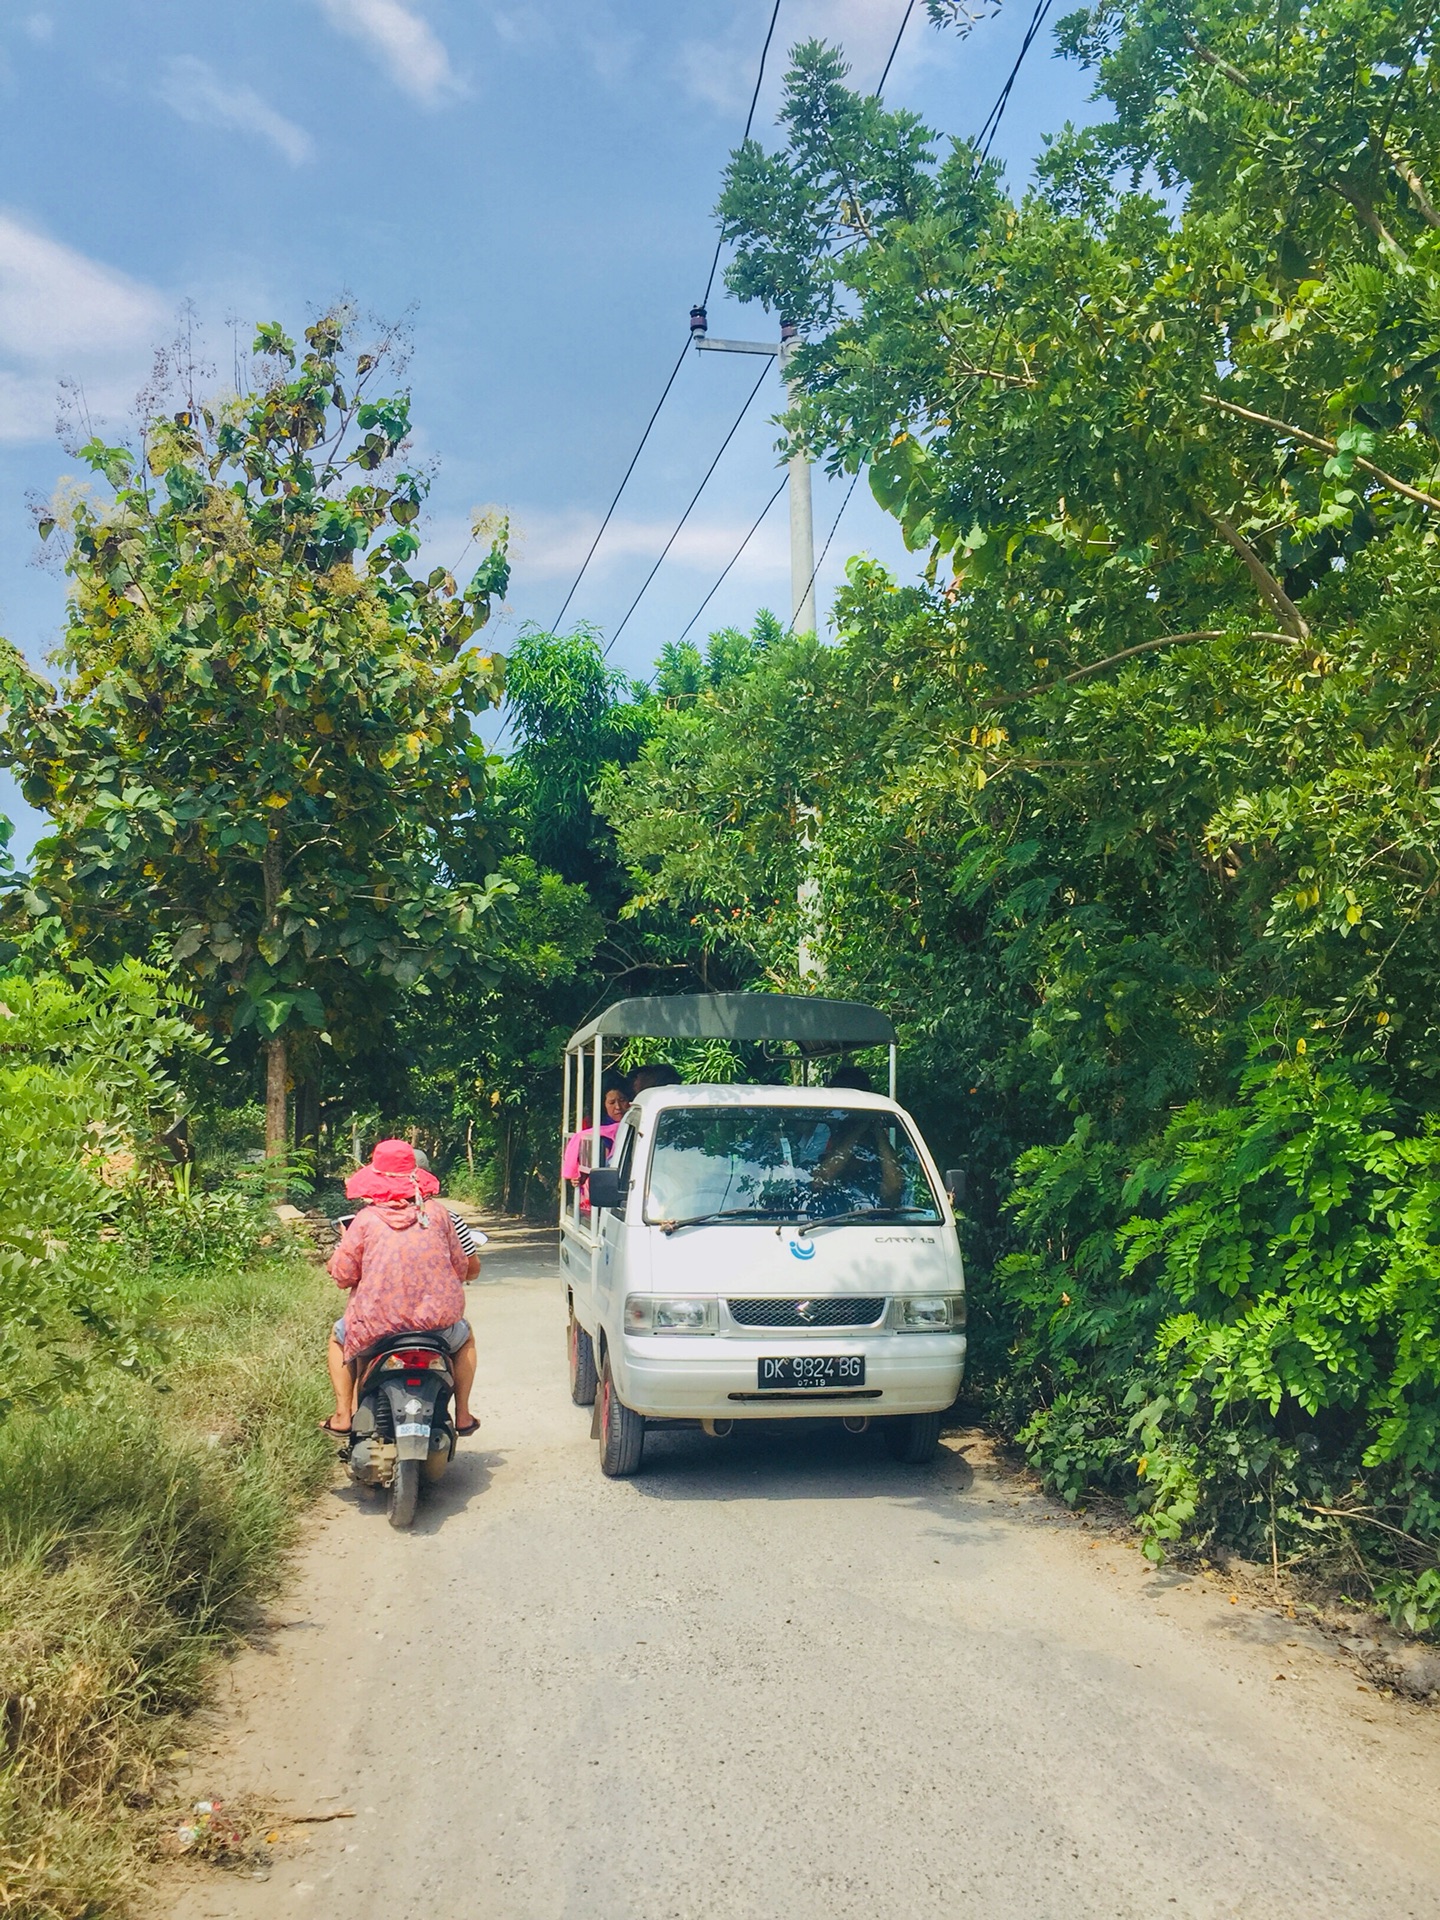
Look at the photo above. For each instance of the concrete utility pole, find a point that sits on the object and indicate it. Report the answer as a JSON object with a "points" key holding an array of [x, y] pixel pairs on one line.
{"points": [[802, 519], [802, 612]]}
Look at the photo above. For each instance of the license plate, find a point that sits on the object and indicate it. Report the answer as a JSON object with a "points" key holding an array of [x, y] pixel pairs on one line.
{"points": [[412, 1429], [813, 1370]]}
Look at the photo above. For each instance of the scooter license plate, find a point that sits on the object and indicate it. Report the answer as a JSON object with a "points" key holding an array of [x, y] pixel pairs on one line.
{"points": [[812, 1370], [411, 1429]]}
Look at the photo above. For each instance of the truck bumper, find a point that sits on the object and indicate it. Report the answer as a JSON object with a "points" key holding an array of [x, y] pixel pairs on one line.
{"points": [[710, 1377]]}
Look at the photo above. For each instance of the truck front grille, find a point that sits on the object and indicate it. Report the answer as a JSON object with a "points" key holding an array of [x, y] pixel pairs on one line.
{"points": [[843, 1311]]}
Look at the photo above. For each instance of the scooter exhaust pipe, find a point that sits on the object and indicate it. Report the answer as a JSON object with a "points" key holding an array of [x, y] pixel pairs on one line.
{"points": [[856, 1422], [718, 1429]]}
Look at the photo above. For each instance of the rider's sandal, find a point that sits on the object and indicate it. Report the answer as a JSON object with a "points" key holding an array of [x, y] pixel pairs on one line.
{"points": [[464, 1433], [336, 1433]]}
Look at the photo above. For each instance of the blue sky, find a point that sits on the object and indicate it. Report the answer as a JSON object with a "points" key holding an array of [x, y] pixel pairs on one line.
{"points": [[533, 183]]}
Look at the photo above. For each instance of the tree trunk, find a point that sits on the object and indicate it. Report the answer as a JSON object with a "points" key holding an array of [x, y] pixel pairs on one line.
{"points": [[277, 1132]]}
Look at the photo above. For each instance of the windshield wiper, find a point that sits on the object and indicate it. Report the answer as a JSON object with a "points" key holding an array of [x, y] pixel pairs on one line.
{"points": [[928, 1215], [727, 1213]]}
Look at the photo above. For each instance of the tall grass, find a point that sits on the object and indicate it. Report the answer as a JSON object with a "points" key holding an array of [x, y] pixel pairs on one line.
{"points": [[136, 1535]]}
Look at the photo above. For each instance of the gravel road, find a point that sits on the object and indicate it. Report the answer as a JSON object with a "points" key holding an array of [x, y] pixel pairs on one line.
{"points": [[780, 1678]]}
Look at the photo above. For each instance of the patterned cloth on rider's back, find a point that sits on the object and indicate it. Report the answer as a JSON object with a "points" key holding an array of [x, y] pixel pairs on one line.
{"points": [[405, 1274]]}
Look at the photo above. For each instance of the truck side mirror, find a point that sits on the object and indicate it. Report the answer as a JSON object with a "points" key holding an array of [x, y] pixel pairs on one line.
{"points": [[605, 1189], [955, 1185]]}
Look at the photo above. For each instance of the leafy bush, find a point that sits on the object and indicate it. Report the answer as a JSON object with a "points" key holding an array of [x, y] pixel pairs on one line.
{"points": [[82, 1066], [1242, 1335]]}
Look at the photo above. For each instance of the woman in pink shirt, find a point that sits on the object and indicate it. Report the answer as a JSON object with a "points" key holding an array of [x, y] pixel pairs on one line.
{"points": [[405, 1271], [576, 1161]]}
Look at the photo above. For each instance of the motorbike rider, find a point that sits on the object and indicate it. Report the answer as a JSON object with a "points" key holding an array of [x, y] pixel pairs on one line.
{"points": [[405, 1269]]}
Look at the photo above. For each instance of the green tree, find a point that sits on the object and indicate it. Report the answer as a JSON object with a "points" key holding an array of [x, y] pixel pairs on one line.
{"points": [[263, 713]]}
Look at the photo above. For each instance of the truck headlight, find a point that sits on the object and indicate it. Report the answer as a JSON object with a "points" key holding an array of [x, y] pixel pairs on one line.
{"points": [[928, 1312], [658, 1313]]}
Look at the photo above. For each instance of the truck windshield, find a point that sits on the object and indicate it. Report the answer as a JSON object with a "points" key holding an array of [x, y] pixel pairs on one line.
{"points": [[784, 1163]]}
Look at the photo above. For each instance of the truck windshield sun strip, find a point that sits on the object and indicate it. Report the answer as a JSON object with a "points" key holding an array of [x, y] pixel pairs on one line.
{"points": [[926, 1216]]}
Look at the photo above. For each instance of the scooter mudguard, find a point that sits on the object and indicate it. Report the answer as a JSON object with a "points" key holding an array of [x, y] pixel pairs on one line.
{"points": [[413, 1410]]}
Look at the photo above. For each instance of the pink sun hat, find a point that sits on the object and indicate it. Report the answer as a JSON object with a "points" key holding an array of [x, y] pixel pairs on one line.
{"points": [[392, 1174]]}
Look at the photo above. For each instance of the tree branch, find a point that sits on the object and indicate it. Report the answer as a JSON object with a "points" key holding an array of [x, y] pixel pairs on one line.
{"points": [[1128, 653], [1424, 206], [1368, 216], [1322, 446], [972, 372], [1269, 587], [1233, 74]]}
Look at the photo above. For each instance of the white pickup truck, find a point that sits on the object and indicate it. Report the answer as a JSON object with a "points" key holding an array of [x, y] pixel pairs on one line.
{"points": [[758, 1252]]}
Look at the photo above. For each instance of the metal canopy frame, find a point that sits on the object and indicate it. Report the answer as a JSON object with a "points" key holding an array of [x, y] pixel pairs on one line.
{"points": [[807, 1022], [812, 1024]]}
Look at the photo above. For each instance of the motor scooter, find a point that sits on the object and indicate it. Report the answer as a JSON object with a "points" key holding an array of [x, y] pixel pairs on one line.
{"points": [[403, 1427]]}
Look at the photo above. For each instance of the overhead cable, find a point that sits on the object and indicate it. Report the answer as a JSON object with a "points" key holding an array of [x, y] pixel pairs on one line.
{"points": [[735, 427], [755, 528], [624, 482], [885, 70], [749, 122], [675, 370], [834, 529], [996, 114]]}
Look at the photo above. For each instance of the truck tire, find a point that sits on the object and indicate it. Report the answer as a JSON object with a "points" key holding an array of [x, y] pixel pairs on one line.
{"points": [[913, 1438], [583, 1377], [404, 1493], [622, 1433]]}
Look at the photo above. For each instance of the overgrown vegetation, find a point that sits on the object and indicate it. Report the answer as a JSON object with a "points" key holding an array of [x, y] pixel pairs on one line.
{"points": [[1126, 810], [137, 1532]]}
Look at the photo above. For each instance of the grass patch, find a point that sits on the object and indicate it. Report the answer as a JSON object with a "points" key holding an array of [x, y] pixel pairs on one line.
{"points": [[135, 1540]]}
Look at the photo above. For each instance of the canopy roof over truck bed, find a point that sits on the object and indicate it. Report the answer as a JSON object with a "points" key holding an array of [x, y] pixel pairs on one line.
{"points": [[812, 1024]]}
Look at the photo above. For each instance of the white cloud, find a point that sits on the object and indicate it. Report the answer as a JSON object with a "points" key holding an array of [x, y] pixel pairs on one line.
{"points": [[407, 46], [547, 545], [55, 300], [40, 27], [64, 314], [199, 95]]}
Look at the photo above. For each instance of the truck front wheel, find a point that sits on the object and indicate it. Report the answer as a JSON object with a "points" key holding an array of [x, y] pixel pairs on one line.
{"points": [[913, 1438], [622, 1433]]}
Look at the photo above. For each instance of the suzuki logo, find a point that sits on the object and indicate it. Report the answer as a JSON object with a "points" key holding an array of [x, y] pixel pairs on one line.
{"points": [[801, 1251], [805, 1310]]}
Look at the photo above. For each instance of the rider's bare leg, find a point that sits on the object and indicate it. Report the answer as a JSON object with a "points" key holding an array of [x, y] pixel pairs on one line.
{"points": [[463, 1364], [343, 1382]]}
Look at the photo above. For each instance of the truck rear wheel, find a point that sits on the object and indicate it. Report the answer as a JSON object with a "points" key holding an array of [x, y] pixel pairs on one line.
{"points": [[622, 1433], [583, 1378], [913, 1438]]}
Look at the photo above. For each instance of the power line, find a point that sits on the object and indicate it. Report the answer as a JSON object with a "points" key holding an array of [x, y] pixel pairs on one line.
{"points": [[624, 482], [755, 528], [675, 370], [749, 122], [735, 427], [996, 114], [885, 70], [834, 529]]}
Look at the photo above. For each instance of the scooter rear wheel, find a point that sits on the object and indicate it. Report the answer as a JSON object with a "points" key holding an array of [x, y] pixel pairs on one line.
{"points": [[404, 1493]]}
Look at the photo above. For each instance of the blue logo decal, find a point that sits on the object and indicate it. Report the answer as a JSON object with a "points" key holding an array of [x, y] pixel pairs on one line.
{"points": [[802, 1252]]}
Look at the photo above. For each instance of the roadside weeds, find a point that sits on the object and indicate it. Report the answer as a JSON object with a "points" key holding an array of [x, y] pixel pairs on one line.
{"points": [[136, 1537]]}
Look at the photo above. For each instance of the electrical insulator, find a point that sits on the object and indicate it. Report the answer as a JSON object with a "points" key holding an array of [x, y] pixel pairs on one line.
{"points": [[788, 329], [699, 324]]}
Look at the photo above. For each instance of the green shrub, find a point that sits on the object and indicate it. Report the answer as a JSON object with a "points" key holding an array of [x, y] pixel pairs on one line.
{"points": [[135, 1538], [82, 1067], [1242, 1335]]}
